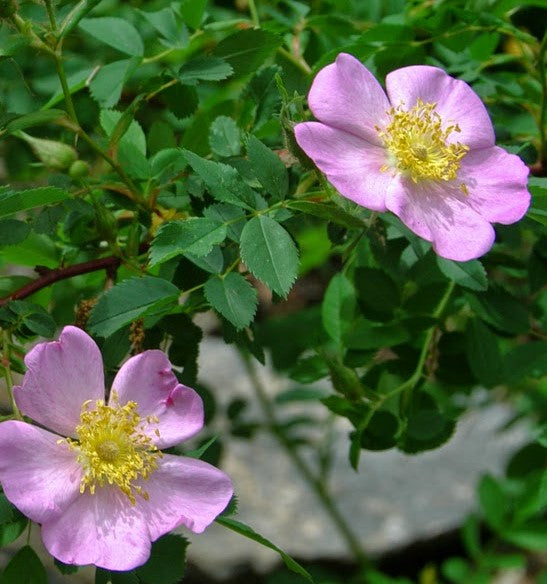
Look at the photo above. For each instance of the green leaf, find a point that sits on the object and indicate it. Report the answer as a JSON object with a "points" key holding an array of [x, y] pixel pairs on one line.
{"points": [[268, 168], [247, 49], [192, 11], [167, 561], [213, 262], [502, 310], [337, 310], [14, 201], [233, 297], [269, 253], [246, 531], [165, 22], [493, 502], [194, 236], [327, 212], [182, 100], [204, 69], [106, 87], [129, 300], [223, 181], [367, 335], [134, 134], [523, 360], [538, 208], [33, 119], [532, 535], [470, 274], [483, 353], [24, 568], [427, 427], [115, 32], [378, 294], [13, 231], [225, 137]]}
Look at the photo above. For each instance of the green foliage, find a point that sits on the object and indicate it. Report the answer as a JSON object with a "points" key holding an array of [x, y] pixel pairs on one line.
{"points": [[24, 568], [233, 297], [161, 178], [269, 253]]}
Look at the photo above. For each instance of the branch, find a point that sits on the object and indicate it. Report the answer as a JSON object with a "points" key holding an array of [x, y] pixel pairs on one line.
{"points": [[50, 276]]}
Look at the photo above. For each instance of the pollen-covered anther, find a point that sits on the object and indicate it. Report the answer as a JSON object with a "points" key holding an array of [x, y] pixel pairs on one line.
{"points": [[418, 145], [113, 448]]}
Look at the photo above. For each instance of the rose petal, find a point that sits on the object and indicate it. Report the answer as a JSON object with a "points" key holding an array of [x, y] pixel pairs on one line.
{"points": [[441, 214], [184, 491], [345, 95], [497, 184], [103, 529], [456, 102], [60, 376], [39, 475], [351, 164], [148, 380]]}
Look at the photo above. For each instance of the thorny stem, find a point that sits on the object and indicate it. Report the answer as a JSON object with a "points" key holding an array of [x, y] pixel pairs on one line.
{"points": [[315, 482], [7, 373]]}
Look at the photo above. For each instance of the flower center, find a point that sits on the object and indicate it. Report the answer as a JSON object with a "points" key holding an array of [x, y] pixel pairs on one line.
{"points": [[419, 146], [113, 449]]}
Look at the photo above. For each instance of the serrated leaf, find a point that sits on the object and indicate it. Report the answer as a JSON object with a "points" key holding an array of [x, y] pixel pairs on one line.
{"points": [[194, 236], [246, 531], [268, 168], [225, 137], [269, 253], [167, 561], [204, 69], [223, 181], [134, 134], [131, 299], [233, 297], [213, 262], [247, 49], [106, 87], [337, 309], [470, 274], [115, 32], [14, 201], [182, 100], [24, 568]]}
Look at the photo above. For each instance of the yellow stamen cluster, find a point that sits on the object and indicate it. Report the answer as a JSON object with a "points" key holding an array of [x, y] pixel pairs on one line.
{"points": [[419, 146], [113, 449]]}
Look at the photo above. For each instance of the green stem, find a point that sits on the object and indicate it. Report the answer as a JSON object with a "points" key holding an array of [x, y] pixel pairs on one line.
{"points": [[254, 13], [51, 15], [319, 487], [7, 373], [297, 62]]}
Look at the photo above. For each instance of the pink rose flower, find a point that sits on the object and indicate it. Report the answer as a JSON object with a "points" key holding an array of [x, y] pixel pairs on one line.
{"points": [[98, 482], [425, 151]]}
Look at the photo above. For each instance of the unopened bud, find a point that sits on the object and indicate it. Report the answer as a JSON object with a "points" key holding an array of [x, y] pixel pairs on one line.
{"points": [[78, 169], [55, 155]]}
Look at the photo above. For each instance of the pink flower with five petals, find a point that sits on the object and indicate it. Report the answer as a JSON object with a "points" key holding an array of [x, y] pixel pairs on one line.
{"points": [[424, 150], [96, 479]]}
